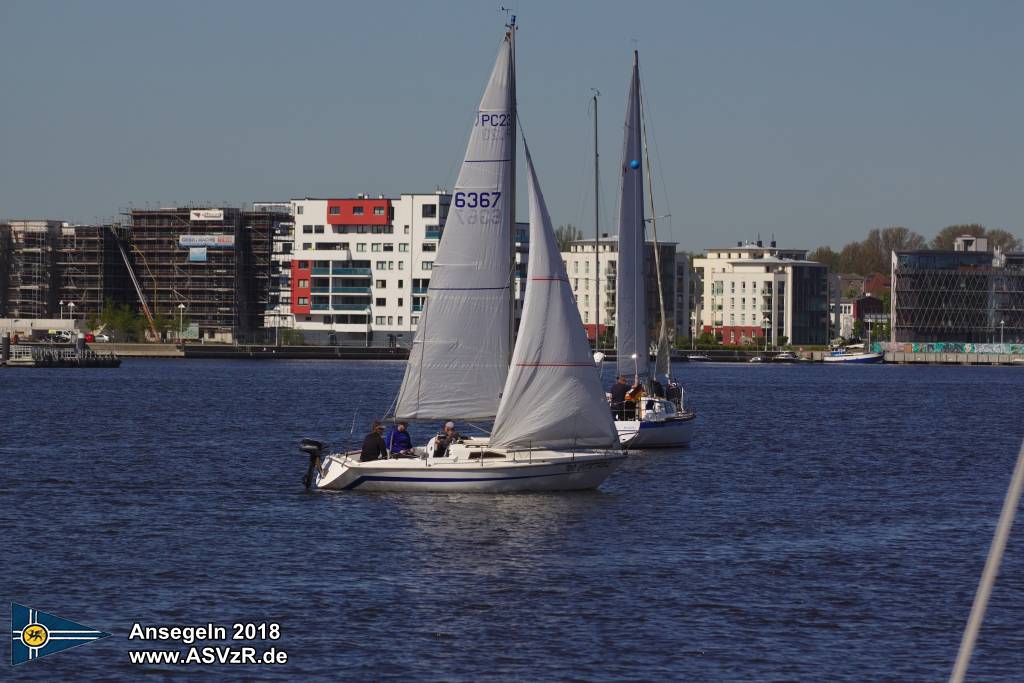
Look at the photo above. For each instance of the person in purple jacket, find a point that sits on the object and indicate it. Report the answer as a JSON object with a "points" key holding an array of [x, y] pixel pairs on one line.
{"points": [[398, 440]]}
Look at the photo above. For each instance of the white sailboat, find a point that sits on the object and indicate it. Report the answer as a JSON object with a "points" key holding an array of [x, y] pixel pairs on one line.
{"points": [[552, 430], [658, 422]]}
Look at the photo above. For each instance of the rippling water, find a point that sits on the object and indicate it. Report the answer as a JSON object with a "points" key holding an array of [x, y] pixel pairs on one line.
{"points": [[828, 523]]}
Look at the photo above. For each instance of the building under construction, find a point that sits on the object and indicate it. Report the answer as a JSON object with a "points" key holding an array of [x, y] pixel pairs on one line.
{"points": [[29, 270], [206, 268], [52, 270]]}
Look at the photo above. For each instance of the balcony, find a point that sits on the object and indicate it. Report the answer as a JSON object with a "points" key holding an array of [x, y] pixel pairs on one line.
{"points": [[321, 271], [416, 308], [419, 290], [350, 307], [320, 290], [433, 234], [320, 307], [346, 271], [350, 290]]}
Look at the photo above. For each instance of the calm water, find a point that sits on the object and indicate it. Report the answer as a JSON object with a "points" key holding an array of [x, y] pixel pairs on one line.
{"points": [[828, 523]]}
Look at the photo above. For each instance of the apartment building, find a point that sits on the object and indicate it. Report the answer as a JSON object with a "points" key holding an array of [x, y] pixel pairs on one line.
{"points": [[360, 267], [751, 291], [598, 308]]}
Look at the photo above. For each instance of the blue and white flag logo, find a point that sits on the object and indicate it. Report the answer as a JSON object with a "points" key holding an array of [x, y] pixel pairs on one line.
{"points": [[35, 634]]}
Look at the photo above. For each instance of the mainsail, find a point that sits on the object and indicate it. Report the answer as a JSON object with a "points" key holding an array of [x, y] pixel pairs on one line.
{"points": [[460, 355], [553, 396], [630, 302]]}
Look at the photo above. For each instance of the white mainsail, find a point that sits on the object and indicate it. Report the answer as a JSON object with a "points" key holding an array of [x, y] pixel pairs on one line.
{"points": [[630, 302], [553, 396], [460, 355]]}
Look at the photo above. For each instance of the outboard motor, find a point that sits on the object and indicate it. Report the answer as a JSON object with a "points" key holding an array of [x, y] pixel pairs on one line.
{"points": [[314, 449]]}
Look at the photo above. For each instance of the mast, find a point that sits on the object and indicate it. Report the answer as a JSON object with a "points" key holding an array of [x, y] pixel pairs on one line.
{"points": [[662, 332], [597, 234], [513, 121]]}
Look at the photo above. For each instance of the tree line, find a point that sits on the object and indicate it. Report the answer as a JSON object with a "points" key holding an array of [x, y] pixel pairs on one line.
{"points": [[872, 255]]}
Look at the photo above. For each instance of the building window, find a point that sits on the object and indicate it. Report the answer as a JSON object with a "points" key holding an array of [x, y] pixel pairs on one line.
{"points": [[381, 302], [307, 245], [375, 246], [379, 320], [298, 209], [403, 247], [357, 211], [378, 211], [401, 283], [361, 246], [388, 247], [318, 229], [381, 284], [303, 301], [303, 264], [401, 265], [586, 316], [427, 265], [335, 210], [430, 210], [430, 246], [400, 301], [391, 320], [415, 320], [307, 229], [303, 284], [576, 267], [405, 230], [400, 320], [381, 265]]}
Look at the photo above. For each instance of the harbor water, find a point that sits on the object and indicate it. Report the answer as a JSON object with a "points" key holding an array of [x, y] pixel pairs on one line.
{"points": [[827, 523]]}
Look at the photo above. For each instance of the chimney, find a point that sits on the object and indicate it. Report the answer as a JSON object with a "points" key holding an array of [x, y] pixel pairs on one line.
{"points": [[739, 243], [773, 240]]}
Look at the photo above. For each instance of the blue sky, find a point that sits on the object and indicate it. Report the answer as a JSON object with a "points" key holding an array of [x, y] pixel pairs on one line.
{"points": [[815, 121]]}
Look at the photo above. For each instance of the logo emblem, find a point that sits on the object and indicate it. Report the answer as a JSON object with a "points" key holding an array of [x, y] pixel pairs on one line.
{"points": [[36, 634]]}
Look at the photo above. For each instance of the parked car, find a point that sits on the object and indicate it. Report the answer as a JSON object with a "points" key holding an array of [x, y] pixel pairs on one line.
{"points": [[101, 337]]}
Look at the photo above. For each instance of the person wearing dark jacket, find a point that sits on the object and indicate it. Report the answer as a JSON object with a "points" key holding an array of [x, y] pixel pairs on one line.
{"points": [[656, 388], [373, 445], [398, 440], [618, 393]]}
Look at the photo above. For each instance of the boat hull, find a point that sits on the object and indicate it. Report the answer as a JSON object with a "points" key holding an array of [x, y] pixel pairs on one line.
{"points": [[545, 471], [672, 432], [854, 358]]}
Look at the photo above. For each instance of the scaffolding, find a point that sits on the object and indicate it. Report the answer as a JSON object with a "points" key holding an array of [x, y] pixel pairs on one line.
{"points": [[92, 270], [30, 269], [211, 266]]}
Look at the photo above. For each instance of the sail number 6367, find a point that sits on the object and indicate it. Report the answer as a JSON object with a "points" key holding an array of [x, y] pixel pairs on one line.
{"points": [[473, 200]]}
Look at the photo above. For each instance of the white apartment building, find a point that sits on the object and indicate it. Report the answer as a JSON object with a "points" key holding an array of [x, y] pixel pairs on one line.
{"points": [[751, 291], [360, 268], [597, 308]]}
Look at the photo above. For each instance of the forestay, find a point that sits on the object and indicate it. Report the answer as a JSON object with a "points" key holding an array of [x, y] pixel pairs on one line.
{"points": [[460, 354], [631, 311], [553, 397]]}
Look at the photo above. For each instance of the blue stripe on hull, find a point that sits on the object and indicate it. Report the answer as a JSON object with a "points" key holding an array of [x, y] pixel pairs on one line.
{"points": [[442, 480]]}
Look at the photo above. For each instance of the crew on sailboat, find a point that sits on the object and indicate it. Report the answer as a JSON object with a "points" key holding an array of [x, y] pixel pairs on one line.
{"points": [[445, 439], [618, 398], [398, 440], [374, 447]]}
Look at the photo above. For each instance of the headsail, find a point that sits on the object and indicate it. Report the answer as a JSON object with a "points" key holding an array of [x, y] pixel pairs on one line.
{"points": [[553, 396], [460, 354], [630, 302]]}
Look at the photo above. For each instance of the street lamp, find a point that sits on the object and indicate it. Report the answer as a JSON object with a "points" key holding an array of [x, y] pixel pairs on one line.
{"points": [[1002, 323], [61, 302], [181, 320], [71, 310]]}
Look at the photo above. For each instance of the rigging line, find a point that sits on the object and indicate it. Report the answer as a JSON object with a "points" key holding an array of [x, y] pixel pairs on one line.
{"points": [[662, 332], [988, 576], [661, 169]]}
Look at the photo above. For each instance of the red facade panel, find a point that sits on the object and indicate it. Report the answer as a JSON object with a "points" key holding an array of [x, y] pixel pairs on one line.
{"points": [[359, 211], [301, 275]]}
